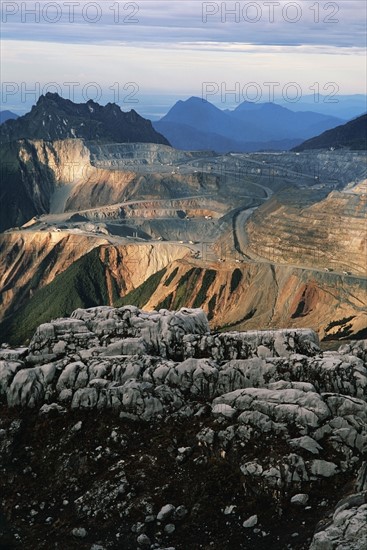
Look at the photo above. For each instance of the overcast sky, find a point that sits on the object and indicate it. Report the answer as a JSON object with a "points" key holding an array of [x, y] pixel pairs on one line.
{"points": [[173, 48]]}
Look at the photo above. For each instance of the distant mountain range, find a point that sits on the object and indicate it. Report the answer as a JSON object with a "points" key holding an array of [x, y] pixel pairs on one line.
{"points": [[7, 115], [54, 118], [341, 106], [194, 124], [352, 135], [198, 124]]}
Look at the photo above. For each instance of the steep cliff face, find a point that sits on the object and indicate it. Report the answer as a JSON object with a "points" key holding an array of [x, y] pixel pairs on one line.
{"points": [[26, 185], [37, 177]]}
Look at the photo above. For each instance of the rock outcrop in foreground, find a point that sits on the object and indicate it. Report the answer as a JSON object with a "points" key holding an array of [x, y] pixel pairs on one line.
{"points": [[127, 429]]}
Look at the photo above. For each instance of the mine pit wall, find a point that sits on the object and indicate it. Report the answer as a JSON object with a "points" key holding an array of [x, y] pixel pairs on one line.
{"points": [[107, 187], [43, 167], [125, 154], [150, 209], [331, 234]]}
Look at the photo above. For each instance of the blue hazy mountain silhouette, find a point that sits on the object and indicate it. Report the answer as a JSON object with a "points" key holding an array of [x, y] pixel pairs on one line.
{"points": [[197, 123], [7, 115]]}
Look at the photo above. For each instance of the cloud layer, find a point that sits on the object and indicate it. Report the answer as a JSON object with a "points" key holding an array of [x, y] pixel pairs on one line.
{"points": [[175, 46]]}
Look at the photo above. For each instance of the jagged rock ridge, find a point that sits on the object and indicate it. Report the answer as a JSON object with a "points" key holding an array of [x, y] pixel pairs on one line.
{"points": [[54, 118], [267, 413]]}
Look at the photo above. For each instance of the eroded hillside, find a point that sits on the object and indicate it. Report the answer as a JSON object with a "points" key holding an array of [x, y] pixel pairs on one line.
{"points": [[60, 274], [250, 296]]}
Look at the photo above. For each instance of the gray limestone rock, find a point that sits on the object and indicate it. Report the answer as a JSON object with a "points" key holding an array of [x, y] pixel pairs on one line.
{"points": [[300, 499], [259, 389], [250, 522], [348, 528]]}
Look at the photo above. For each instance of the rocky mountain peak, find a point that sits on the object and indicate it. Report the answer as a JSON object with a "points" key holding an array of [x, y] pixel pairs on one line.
{"points": [[51, 96], [55, 118]]}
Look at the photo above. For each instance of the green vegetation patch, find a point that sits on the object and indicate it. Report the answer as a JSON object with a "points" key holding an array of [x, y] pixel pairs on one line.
{"points": [[338, 323], [344, 330], [166, 302], [211, 306], [247, 317], [360, 335], [186, 287], [82, 285], [221, 290], [142, 294], [300, 311], [170, 278], [236, 279], [208, 280]]}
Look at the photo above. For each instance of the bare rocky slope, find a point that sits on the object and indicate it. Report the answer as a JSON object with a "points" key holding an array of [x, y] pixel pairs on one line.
{"points": [[31, 261], [122, 428], [39, 177], [331, 233], [250, 296]]}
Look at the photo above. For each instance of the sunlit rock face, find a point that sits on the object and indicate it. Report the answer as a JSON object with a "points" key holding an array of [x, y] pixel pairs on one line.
{"points": [[296, 233]]}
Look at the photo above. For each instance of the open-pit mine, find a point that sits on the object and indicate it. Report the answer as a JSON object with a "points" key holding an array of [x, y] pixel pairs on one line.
{"points": [[258, 240]]}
